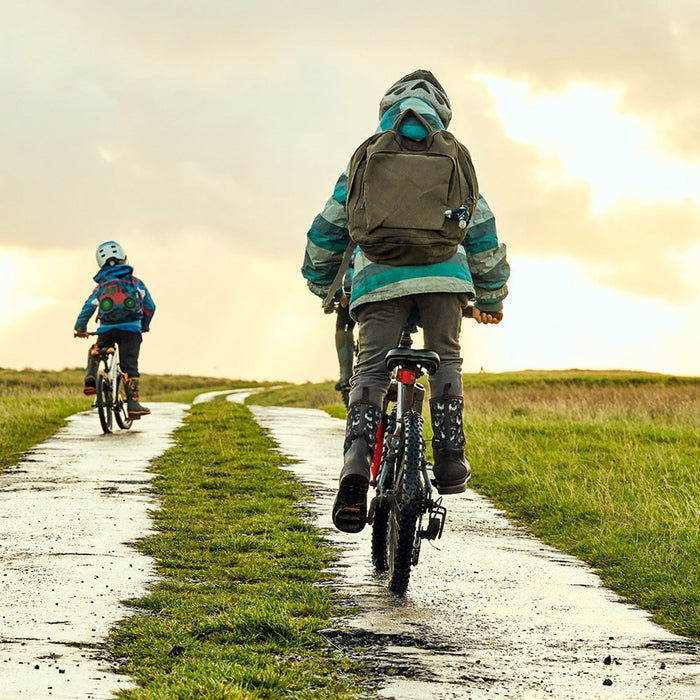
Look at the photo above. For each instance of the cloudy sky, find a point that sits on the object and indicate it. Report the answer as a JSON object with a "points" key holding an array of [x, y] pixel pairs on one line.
{"points": [[205, 135]]}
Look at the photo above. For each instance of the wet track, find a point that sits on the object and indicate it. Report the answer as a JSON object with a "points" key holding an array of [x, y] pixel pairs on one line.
{"points": [[491, 612], [67, 514]]}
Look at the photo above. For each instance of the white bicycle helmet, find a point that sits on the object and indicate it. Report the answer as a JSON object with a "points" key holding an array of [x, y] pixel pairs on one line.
{"points": [[110, 250], [423, 84]]}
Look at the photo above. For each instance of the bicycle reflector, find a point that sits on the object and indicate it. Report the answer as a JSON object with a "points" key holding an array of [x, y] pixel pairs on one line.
{"points": [[406, 376]]}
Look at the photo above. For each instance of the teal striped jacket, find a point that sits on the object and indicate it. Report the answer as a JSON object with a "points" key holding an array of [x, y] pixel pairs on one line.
{"points": [[479, 267]]}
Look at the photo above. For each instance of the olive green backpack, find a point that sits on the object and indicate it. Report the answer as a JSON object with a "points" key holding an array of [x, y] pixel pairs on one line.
{"points": [[400, 190]]}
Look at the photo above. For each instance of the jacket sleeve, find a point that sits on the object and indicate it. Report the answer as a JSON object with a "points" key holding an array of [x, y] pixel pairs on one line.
{"points": [[86, 312], [327, 240], [149, 307], [487, 259]]}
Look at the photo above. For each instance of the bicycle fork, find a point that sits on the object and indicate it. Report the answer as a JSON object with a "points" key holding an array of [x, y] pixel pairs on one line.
{"points": [[409, 396]]}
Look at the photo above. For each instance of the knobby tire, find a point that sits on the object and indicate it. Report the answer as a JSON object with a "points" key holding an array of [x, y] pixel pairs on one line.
{"points": [[120, 410], [103, 400], [406, 505], [380, 521]]}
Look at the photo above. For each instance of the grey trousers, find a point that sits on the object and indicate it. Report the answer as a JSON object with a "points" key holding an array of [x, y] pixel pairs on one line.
{"points": [[380, 327]]}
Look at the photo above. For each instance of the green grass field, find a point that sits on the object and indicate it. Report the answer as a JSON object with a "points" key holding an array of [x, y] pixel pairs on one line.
{"points": [[238, 566], [603, 465]]}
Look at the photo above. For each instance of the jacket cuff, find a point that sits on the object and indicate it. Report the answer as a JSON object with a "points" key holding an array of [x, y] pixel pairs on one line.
{"points": [[489, 306], [320, 290]]}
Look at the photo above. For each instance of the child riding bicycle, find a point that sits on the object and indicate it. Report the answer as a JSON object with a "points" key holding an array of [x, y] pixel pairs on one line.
{"points": [[408, 272], [124, 311], [344, 347]]}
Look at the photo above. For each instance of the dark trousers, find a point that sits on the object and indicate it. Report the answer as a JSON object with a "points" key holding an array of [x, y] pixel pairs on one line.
{"points": [[129, 347], [381, 324], [343, 321]]}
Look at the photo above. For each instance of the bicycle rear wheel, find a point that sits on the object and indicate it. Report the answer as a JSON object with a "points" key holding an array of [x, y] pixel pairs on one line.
{"points": [[103, 400], [406, 505], [120, 411]]}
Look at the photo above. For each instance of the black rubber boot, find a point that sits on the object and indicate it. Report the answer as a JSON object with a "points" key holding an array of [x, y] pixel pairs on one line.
{"points": [[451, 468], [91, 372], [133, 407], [350, 507]]}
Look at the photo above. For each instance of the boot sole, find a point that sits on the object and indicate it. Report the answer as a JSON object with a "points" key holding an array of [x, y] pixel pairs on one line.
{"points": [[449, 489], [350, 507]]}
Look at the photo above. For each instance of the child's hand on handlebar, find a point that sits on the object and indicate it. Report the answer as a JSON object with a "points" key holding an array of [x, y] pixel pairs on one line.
{"points": [[81, 334], [486, 316]]}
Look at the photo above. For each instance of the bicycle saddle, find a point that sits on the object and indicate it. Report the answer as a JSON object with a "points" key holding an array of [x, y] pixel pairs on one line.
{"points": [[425, 359], [102, 352]]}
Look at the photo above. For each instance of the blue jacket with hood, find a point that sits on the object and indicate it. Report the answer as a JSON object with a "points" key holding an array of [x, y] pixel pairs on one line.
{"points": [[478, 268], [110, 272]]}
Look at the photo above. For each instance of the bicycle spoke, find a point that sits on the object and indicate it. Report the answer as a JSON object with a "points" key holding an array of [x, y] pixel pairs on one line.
{"points": [[120, 411]]}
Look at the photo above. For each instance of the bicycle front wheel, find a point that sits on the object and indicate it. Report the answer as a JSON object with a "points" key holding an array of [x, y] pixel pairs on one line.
{"points": [[382, 503], [120, 411], [406, 505], [103, 400]]}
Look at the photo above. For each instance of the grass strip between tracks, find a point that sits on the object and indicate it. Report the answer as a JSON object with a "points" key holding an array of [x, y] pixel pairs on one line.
{"points": [[603, 465], [237, 609]]}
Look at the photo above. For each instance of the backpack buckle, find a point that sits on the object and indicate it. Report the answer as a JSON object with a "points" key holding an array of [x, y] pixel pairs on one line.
{"points": [[460, 214]]}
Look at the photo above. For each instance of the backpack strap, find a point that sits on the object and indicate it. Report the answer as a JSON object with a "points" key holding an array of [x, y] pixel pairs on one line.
{"points": [[337, 282]]}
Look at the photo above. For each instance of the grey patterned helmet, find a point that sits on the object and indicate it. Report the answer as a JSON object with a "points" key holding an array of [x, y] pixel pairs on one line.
{"points": [[110, 250], [420, 83]]}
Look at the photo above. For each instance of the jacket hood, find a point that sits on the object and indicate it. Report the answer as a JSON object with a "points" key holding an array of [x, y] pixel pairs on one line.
{"points": [[411, 127], [109, 272]]}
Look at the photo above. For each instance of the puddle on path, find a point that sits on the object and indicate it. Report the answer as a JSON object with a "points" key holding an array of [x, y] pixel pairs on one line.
{"points": [[491, 612], [67, 514]]}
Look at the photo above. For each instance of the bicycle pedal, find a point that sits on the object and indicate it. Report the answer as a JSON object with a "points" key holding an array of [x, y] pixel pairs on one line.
{"points": [[436, 524], [432, 530]]}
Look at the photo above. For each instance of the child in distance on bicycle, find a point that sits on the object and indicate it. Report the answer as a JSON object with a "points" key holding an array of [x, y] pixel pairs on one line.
{"points": [[124, 311], [391, 284]]}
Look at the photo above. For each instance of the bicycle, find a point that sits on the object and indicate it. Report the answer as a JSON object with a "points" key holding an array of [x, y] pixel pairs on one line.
{"points": [[110, 398], [399, 473]]}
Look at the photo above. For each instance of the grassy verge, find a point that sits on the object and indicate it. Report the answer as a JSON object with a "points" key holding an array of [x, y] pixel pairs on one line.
{"points": [[237, 610], [602, 465], [34, 404]]}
